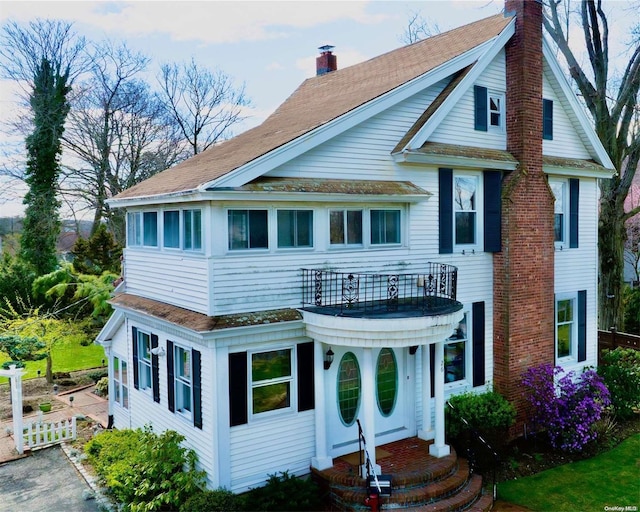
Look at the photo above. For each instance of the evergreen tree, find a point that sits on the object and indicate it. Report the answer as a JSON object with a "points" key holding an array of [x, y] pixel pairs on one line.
{"points": [[42, 224]]}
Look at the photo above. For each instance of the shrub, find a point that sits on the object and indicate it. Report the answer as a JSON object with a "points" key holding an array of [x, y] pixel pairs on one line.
{"points": [[102, 386], [285, 492], [567, 407], [220, 500], [145, 471], [631, 300], [620, 371], [96, 375], [488, 413]]}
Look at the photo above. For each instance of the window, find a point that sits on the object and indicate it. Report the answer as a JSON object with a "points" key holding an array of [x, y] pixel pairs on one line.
{"points": [[547, 119], [144, 360], [496, 109], [559, 189], [171, 229], [295, 228], [385, 227], [182, 372], [489, 109], [142, 229], [386, 381], [248, 229], [465, 204], [271, 380], [349, 388], [120, 382], [192, 230], [345, 227], [455, 354], [565, 328]]}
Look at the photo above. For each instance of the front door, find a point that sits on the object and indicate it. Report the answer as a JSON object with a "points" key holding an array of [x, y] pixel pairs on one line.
{"points": [[393, 397]]}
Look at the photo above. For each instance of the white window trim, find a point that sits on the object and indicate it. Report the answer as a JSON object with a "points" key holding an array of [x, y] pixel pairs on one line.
{"points": [[138, 217], [468, 358], [564, 243], [146, 363], [249, 250], [179, 381], [181, 231], [292, 379], [479, 234], [573, 349], [401, 230], [501, 97], [274, 235], [345, 210], [119, 382]]}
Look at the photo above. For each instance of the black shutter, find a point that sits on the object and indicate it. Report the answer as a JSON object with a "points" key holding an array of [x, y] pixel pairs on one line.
{"points": [[445, 210], [432, 369], [238, 388], [171, 387], [306, 394], [582, 325], [481, 112], [136, 377], [492, 211], [155, 370], [197, 388], [547, 119], [574, 194], [477, 331]]}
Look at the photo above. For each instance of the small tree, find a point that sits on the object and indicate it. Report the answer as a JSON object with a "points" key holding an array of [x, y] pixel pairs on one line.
{"points": [[100, 253]]}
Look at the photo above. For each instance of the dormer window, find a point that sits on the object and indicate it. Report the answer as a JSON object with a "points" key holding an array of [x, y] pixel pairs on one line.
{"points": [[489, 109]]}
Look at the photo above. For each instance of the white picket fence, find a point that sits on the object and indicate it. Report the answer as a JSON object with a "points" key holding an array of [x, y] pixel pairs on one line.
{"points": [[44, 433]]}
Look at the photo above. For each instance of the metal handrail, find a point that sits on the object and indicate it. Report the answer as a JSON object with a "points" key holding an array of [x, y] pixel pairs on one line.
{"points": [[479, 437], [369, 465]]}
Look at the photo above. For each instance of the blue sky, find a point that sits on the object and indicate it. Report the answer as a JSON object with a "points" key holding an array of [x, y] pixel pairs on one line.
{"points": [[269, 46]]}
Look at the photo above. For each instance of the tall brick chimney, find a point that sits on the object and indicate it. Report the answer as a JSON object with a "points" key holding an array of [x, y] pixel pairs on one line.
{"points": [[327, 61], [524, 320]]}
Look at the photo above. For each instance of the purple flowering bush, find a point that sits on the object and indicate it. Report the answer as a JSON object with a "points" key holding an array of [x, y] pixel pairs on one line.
{"points": [[564, 405]]}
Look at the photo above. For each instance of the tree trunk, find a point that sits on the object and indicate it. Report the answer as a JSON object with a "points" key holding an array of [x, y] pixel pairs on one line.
{"points": [[48, 371]]}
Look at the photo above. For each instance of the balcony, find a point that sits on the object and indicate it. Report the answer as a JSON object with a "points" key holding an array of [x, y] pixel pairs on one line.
{"points": [[369, 295]]}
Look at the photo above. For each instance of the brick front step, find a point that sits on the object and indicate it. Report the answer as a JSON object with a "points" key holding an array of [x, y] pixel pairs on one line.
{"points": [[419, 481]]}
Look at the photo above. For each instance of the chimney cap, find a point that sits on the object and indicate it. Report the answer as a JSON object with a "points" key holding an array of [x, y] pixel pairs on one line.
{"points": [[326, 48]]}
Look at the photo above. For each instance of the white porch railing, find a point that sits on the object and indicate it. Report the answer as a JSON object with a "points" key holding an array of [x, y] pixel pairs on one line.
{"points": [[37, 434]]}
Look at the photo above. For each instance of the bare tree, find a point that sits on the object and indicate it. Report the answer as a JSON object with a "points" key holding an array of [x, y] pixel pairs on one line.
{"points": [[613, 103], [418, 28], [118, 133], [203, 104]]}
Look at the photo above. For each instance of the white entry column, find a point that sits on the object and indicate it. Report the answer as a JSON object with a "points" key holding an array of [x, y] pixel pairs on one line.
{"points": [[322, 460], [426, 432], [439, 448], [368, 407]]}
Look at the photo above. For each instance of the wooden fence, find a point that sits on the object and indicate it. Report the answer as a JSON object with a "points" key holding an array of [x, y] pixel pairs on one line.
{"points": [[38, 434], [612, 339]]}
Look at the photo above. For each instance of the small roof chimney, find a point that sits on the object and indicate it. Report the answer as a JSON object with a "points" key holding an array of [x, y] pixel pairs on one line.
{"points": [[326, 62]]}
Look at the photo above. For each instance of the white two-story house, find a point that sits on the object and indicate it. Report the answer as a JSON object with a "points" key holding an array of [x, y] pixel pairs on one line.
{"points": [[363, 254]]}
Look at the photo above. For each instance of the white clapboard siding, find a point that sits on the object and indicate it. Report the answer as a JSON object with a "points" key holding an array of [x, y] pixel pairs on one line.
{"points": [[177, 279], [566, 140], [122, 349], [458, 126], [262, 448]]}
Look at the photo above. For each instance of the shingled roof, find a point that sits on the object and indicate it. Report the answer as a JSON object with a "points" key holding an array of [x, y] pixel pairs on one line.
{"points": [[318, 101]]}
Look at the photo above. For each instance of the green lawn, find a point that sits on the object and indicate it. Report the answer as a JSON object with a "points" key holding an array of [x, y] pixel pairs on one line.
{"points": [[67, 356], [611, 479]]}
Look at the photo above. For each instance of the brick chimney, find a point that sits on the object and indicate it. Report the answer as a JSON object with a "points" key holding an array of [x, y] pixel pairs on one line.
{"points": [[327, 61], [524, 319]]}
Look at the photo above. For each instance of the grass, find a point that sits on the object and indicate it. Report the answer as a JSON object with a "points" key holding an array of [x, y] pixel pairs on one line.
{"points": [[611, 479], [67, 356]]}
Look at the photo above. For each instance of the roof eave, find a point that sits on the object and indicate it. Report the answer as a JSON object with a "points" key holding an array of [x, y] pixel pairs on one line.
{"points": [[455, 161]]}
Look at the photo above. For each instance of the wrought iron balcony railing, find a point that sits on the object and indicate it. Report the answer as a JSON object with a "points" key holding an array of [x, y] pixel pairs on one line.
{"points": [[369, 294]]}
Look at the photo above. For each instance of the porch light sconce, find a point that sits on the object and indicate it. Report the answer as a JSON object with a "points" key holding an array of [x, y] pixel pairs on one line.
{"points": [[328, 359], [413, 349]]}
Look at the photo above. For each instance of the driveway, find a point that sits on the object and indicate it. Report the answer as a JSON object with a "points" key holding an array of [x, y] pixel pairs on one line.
{"points": [[44, 481]]}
